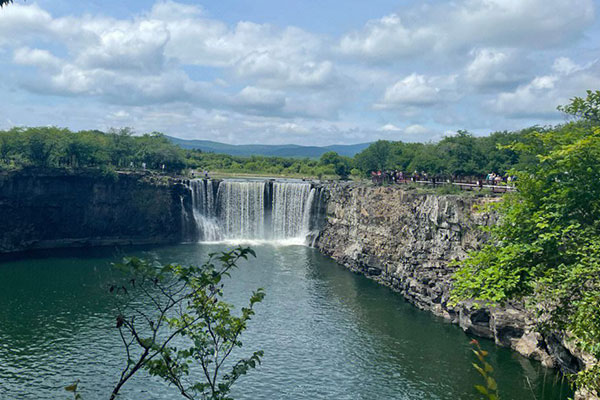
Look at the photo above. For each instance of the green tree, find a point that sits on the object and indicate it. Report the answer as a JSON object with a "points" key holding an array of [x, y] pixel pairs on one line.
{"points": [[497, 155], [155, 150], [374, 158], [587, 108], [426, 158], [122, 147], [460, 155], [189, 326], [45, 146], [546, 246], [87, 148], [341, 165]]}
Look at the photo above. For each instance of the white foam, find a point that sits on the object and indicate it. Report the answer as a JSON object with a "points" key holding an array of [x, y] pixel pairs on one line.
{"points": [[296, 241]]}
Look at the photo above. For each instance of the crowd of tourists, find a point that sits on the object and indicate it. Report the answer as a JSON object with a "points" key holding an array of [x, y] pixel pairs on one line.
{"points": [[494, 179], [395, 176]]}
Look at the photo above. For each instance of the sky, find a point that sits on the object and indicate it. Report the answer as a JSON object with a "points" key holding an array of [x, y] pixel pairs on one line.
{"points": [[306, 72]]}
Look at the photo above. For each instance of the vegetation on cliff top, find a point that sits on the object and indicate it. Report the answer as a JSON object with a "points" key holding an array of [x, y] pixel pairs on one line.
{"points": [[460, 155], [52, 147], [546, 247]]}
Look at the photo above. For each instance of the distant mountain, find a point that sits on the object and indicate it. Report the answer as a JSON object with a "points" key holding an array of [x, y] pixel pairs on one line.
{"points": [[285, 150]]}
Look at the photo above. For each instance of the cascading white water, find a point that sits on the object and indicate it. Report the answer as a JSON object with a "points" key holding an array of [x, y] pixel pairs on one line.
{"points": [[308, 211], [204, 209], [290, 203], [252, 210], [242, 209]]}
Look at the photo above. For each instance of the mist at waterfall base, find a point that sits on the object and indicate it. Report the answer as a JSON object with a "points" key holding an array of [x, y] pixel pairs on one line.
{"points": [[252, 212]]}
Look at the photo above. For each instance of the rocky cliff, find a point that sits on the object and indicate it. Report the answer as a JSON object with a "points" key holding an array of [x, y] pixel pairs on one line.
{"points": [[408, 241], [40, 209]]}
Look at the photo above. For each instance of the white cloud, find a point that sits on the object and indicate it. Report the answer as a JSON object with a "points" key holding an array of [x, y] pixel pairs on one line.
{"points": [[291, 127], [418, 91], [417, 129], [255, 97], [390, 128], [172, 11], [119, 115], [564, 65], [136, 46], [385, 38], [540, 97], [413, 90], [412, 132], [19, 23], [463, 25], [285, 73], [491, 68], [521, 23], [140, 61], [201, 41], [36, 57]]}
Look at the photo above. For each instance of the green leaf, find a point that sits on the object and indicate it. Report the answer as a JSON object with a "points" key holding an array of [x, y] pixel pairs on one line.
{"points": [[488, 368], [482, 390], [491, 383]]}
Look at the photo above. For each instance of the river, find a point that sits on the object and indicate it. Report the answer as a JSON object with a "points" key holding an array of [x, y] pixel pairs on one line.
{"points": [[326, 333]]}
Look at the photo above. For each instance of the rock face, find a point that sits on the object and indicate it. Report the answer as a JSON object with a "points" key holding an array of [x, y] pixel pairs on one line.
{"points": [[58, 209], [408, 241]]}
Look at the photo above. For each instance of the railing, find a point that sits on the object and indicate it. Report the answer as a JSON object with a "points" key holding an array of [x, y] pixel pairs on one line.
{"points": [[463, 185]]}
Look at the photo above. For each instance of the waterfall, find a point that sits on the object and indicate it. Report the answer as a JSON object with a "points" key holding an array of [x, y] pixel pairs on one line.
{"points": [[242, 209], [204, 209], [290, 200], [254, 210]]}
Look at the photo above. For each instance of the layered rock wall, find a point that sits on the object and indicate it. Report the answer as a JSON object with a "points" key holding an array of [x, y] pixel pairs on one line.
{"points": [[408, 241], [41, 209]]}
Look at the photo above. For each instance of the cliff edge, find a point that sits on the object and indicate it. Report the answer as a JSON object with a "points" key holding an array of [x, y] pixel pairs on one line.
{"points": [[408, 241]]}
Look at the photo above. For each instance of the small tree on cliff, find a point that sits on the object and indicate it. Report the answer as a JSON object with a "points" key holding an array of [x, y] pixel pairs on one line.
{"points": [[546, 246], [172, 319]]}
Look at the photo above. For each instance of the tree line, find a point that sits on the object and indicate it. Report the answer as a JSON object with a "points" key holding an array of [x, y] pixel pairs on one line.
{"points": [[52, 147], [462, 154]]}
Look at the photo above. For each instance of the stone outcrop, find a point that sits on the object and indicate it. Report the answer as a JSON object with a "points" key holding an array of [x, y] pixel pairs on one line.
{"points": [[42, 209], [408, 242]]}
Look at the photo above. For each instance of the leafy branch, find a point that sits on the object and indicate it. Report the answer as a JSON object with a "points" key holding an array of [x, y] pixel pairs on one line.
{"points": [[172, 317], [489, 390]]}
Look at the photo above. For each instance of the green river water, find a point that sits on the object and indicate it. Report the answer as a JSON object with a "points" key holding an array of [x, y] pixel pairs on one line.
{"points": [[326, 333]]}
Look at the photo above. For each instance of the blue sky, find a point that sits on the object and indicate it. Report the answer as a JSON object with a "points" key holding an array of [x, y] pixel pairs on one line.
{"points": [[303, 72]]}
